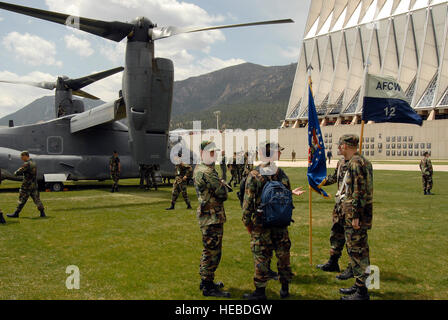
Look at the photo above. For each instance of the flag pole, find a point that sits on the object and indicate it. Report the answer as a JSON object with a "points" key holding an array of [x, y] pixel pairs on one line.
{"points": [[311, 224], [310, 198], [362, 136], [366, 73]]}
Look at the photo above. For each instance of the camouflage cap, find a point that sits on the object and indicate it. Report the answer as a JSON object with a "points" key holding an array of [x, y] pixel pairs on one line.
{"points": [[25, 153], [209, 146], [351, 140]]}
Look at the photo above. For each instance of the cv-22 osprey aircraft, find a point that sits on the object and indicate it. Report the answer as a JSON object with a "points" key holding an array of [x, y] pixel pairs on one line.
{"points": [[77, 145]]}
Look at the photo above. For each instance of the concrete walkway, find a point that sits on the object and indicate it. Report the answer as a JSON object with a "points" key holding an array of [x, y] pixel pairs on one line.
{"points": [[392, 167]]}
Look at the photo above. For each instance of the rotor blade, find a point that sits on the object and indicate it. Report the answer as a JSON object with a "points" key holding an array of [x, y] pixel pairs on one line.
{"points": [[43, 85], [84, 94], [114, 30], [76, 84], [165, 32]]}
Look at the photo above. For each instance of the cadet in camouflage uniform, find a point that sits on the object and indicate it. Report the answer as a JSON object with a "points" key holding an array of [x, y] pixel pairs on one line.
{"points": [[183, 173], [212, 192], [141, 171], [115, 170], [427, 171], [248, 167], [356, 201], [29, 185], [234, 171], [150, 177], [266, 240], [337, 235], [223, 166]]}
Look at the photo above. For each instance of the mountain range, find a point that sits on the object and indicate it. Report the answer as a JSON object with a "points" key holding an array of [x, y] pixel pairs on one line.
{"points": [[248, 96]]}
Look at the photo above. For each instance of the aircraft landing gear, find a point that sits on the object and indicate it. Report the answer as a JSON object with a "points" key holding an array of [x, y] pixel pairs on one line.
{"points": [[55, 186]]}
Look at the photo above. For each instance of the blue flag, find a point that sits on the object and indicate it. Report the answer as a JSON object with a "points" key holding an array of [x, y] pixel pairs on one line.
{"points": [[385, 101], [317, 165]]}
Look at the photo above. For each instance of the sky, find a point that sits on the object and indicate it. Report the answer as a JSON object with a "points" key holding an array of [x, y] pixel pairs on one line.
{"points": [[36, 50]]}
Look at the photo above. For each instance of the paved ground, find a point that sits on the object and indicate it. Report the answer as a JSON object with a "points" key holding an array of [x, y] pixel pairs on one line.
{"points": [[393, 167]]}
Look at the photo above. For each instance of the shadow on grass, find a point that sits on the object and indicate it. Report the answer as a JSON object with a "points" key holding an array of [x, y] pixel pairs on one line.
{"points": [[391, 295], [312, 279], [116, 206], [37, 218], [397, 277]]}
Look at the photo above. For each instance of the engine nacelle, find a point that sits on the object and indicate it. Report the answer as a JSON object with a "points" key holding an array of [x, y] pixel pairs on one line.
{"points": [[148, 103]]}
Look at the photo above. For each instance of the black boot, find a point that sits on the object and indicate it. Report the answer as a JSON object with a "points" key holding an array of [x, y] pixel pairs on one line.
{"points": [[272, 275], [284, 291], [172, 206], [2, 220], [189, 205], [212, 290], [112, 190], [348, 291], [220, 285], [346, 274], [360, 293], [257, 295], [14, 215], [331, 266], [42, 213]]}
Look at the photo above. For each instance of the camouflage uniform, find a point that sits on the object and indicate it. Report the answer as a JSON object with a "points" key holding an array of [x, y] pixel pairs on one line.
{"points": [[266, 240], [211, 216], [248, 167], [234, 171], [223, 166], [141, 171], [357, 204], [427, 171], [149, 176], [29, 186], [337, 235], [114, 166], [179, 185]]}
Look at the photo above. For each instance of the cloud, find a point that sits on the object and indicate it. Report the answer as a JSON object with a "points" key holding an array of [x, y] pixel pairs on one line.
{"points": [[81, 46], [291, 53], [13, 97], [106, 89], [189, 52], [31, 49]]}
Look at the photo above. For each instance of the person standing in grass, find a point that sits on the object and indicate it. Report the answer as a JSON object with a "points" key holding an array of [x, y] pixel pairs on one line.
{"points": [[267, 239], [427, 171], [212, 193], [183, 173], [29, 185], [357, 204], [337, 235], [115, 170]]}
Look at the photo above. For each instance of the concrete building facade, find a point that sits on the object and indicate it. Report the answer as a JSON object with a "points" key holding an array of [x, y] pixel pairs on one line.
{"points": [[405, 39]]}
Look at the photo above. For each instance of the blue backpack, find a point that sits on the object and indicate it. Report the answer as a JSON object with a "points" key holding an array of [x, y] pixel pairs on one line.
{"points": [[277, 205]]}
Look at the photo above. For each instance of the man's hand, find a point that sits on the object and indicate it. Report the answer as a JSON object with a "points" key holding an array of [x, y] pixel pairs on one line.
{"points": [[355, 224], [298, 192], [184, 178], [250, 228]]}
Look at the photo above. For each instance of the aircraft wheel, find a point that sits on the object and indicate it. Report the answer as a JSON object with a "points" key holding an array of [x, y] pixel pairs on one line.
{"points": [[56, 187]]}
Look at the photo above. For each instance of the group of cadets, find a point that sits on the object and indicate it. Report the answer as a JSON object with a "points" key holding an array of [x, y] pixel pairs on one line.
{"points": [[352, 212]]}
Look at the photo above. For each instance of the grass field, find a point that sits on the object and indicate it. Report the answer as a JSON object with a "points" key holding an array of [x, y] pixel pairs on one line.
{"points": [[128, 247]]}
